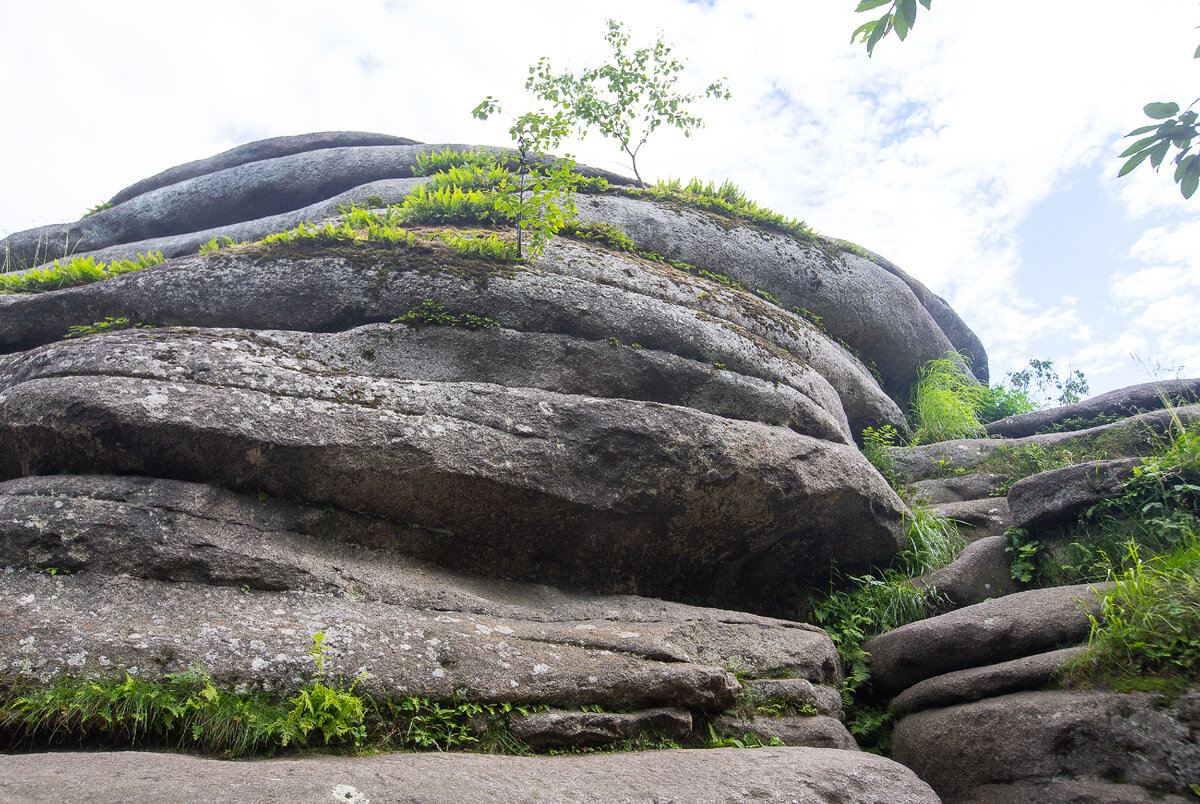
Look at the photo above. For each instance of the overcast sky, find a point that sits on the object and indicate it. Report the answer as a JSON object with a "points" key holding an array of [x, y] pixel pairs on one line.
{"points": [[980, 155]]}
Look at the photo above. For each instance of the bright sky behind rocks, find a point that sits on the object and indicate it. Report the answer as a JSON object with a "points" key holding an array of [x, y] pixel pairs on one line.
{"points": [[980, 155]]}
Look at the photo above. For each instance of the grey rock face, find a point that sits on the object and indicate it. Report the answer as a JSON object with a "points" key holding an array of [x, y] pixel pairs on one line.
{"points": [[1122, 402], [1137, 435], [769, 775], [977, 519], [334, 293], [286, 571], [799, 692], [868, 306], [957, 488], [1059, 496], [986, 633], [610, 495], [977, 683], [556, 728], [1034, 736], [981, 571], [256, 152]]}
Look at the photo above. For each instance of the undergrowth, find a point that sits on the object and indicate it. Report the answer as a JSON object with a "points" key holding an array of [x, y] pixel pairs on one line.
{"points": [[870, 604], [76, 271], [724, 199]]}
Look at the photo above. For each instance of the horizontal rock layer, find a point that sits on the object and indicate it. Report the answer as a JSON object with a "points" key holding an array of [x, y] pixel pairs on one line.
{"points": [[769, 775]]}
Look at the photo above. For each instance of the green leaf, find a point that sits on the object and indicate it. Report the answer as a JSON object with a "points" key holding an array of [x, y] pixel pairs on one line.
{"points": [[1188, 186], [902, 27], [1142, 130], [1196, 55], [1158, 152], [926, 3], [867, 5], [1140, 145], [1160, 111], [1132, 163], [908, 12], [882, 25], [864, 29]]}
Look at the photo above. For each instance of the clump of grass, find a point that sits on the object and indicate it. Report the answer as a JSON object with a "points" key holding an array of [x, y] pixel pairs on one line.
{"points": [[724, 199], [430, 162], [77, 271], [434, 314], [107, 325], [183, 710], [944, 402], [1149, 624], [98, 208], [606, 233]]}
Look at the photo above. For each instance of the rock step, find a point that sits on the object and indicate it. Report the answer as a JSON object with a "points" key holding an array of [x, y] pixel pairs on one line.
{"points": [[987, 633], [810, 731], [976, 683], [1059, 496], [977, 519], [1127, 438], [1118, 747], [956, 488], [1123, 402], [981, 572], [768, 775]]}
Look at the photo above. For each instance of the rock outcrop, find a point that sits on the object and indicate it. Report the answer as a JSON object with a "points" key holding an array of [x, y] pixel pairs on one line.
{"points": [[596, 502]]}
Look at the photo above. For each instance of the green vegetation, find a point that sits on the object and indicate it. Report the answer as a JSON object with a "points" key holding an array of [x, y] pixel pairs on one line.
{"points": [[873, 603], [98, 208], [877, 448], [433, 314], [1176, 130], [77, 271], [944, 402], [626, 99], [107, 325], [724, 199]]}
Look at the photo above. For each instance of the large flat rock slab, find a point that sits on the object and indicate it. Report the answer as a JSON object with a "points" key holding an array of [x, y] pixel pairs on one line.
{"points": [[1030, 738], [770, 775], [984, 634], [1122, 402]]}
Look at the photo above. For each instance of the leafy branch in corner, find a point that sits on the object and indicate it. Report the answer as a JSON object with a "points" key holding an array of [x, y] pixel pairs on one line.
{"points": [[900, 17]]}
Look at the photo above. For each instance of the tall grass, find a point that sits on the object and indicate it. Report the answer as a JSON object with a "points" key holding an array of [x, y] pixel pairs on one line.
{"points": [[944, 401]]}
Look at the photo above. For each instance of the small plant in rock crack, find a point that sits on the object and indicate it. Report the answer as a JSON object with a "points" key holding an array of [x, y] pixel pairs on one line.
{"points": [[435, 315], [335, 713], [107, 325]]}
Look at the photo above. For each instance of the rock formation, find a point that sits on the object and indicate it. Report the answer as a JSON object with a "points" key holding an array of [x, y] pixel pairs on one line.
{"points": [[537, 512]]}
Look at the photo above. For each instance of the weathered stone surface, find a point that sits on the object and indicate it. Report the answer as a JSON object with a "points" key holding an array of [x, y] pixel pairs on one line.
{"points": [[1128, 401], [769, 775], [338, 292], [558, 728], [272, 148], [986, 633], [977, 519], [615, 496], [190, 547], [868, 306], [807, 731], [956, 488], [977, 683], [390, 191], [93, 624], [1132, 437], [1035, 736], [980, 572], [799, 692], [1063, 791], [1059, 496]]}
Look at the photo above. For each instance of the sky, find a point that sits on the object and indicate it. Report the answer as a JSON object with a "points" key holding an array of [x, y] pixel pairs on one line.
{"points": [[980, 155]]}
